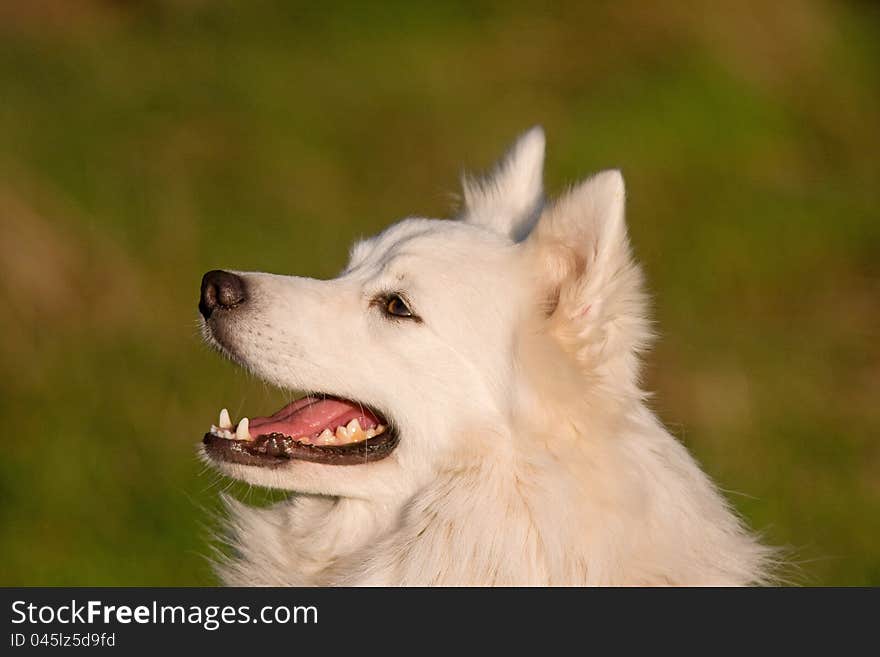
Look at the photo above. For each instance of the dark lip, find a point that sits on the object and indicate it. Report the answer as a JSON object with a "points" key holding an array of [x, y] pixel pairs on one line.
{"points": [[275, 449]]}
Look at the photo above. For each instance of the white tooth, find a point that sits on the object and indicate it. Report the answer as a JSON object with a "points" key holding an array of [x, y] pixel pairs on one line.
{"points": [[370, 433], [326, 435], [225, 422], [304, 439], [353, 426], [242, 433], [222, 433], [342, 433], [329, 439], [379, 429]]}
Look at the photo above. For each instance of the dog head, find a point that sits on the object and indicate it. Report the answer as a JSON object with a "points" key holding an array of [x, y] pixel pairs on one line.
{"points": [[435, 340]]}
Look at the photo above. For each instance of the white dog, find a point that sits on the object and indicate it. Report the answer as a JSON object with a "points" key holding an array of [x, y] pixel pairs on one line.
{"points": [[475, 415]]}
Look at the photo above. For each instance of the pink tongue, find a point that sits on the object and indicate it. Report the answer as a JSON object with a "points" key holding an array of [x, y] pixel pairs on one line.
{"points": [[309, 416]]}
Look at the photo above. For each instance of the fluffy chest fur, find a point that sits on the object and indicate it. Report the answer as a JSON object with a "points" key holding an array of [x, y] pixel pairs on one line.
{"points": [[635, 511]]}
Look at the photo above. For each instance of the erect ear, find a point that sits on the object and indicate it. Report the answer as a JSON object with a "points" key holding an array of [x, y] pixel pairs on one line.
{"points": [[509, 199], [587, 280]]}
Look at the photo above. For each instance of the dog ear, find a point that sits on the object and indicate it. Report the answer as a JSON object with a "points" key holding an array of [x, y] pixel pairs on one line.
{"points": [[590, 287], [509, 199]]}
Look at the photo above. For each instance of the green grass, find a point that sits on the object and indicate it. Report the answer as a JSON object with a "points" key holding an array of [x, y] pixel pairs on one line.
{"points": [[143, 144]]}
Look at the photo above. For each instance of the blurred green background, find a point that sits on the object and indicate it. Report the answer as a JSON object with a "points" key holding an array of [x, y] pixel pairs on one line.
{"points": [[144, 143]]}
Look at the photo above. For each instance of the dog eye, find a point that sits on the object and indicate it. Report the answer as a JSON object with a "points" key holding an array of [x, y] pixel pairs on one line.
{"points": [[396, 307]]}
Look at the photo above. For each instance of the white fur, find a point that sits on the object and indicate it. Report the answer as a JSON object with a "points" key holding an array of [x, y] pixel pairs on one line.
{"points": [[527, 452]]}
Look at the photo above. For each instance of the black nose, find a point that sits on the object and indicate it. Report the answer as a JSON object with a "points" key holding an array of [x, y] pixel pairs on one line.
{"points": [[220, 289]]}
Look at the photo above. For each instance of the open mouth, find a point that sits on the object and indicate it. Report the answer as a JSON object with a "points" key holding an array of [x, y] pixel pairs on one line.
{"points": [[328, 430]]}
